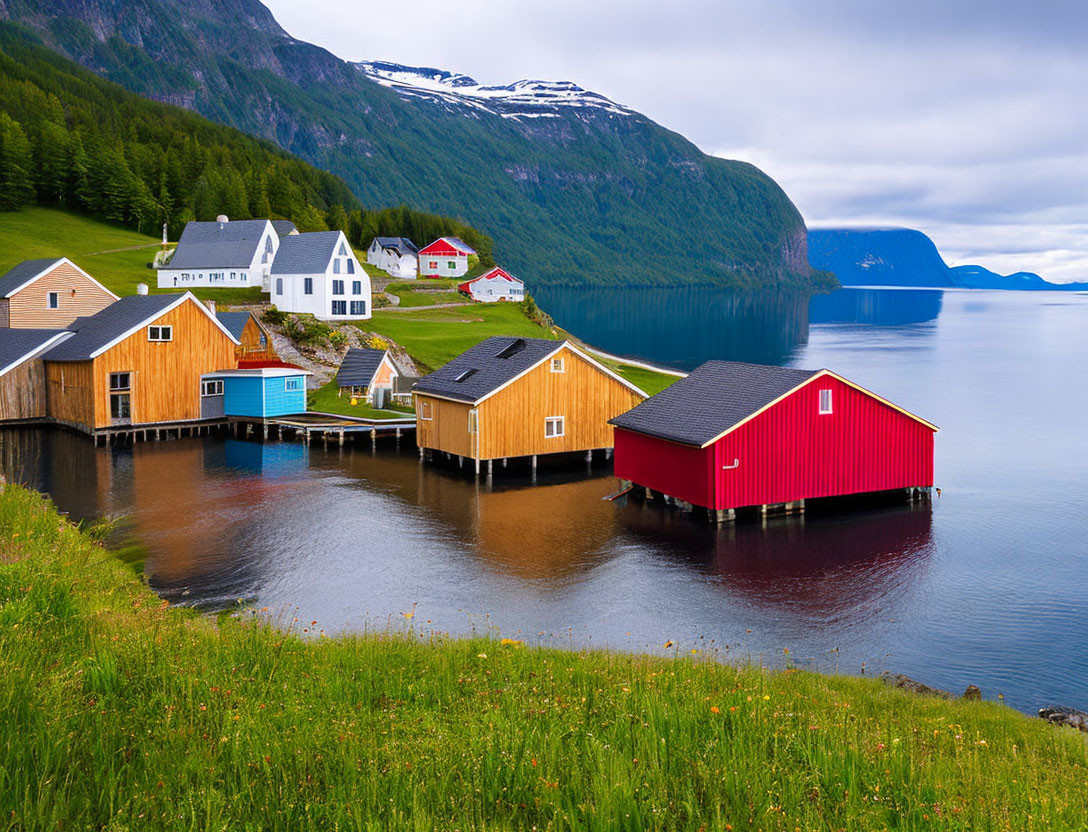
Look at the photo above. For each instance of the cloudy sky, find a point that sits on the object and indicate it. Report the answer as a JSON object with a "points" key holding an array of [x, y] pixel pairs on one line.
{"points": [[967, 119]]}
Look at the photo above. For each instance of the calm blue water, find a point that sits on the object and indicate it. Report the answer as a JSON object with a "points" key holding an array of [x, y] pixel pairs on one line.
{"points": [[988, 586]]}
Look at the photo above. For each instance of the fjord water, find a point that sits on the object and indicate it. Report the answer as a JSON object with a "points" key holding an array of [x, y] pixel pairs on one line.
{"points": [[987, 586]]}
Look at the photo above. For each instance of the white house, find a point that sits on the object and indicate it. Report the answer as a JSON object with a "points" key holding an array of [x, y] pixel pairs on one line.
{"points": [[397, 256], [493, 286], [445, 257], [317, 273], [221, 254]]}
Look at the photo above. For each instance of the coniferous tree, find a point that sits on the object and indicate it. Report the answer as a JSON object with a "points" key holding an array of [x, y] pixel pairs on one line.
{"points": [[16, 182]]}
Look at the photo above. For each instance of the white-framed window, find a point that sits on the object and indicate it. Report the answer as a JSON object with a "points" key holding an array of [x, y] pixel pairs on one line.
{"points": [[339, 307], [338, 287], [358, 307], [307, 285], [336, 266], [356, 287], [432, 264], [351, 266], [553, 427], [211, 387], [473, 421], [234, 275], [425, 411], [343, 250], [160, 333], [52, 300], [244, 277], [279, 285], [292, 383], [451, 264], [559, 365], [825, 402]]}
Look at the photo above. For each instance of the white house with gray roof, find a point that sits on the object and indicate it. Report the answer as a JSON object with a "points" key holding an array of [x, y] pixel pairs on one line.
{"points": [[317, 273], [397, 256], [223, 253]]}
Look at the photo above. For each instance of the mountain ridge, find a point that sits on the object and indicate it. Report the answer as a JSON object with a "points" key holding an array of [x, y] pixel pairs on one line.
{"points": [[577, 198], [889, 256]]}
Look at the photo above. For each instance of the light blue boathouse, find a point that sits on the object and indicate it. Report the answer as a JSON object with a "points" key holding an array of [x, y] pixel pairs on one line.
{"points": [[260, 393]]}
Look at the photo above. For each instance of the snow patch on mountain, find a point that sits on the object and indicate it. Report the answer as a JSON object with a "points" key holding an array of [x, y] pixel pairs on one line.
{"points": [[522, 99]]}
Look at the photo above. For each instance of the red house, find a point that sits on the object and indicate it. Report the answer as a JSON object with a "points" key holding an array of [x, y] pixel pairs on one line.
{"points": [[735, 435], [445, 257]]}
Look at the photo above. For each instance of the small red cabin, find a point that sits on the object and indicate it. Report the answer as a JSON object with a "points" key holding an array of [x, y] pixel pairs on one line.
{"points": [[733, 435]]}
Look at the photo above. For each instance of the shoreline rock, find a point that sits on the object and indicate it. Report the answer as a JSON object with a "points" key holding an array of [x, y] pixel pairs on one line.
{"points": [[1061, 715]]}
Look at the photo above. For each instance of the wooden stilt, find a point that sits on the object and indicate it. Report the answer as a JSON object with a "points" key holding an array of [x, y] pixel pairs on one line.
{"points": [[341, 437]]}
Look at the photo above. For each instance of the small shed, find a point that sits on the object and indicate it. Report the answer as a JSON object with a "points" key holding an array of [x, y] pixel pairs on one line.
{"points": [[255, 342], [365, 373], [445, 257], [259, 393], [49, 294], [734, 435]]}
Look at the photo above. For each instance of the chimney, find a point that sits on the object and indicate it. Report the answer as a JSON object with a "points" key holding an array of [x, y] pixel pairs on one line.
{"points": [[141, 288], [211, 306]]}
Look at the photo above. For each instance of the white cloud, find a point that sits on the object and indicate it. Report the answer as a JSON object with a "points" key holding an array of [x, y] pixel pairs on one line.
{"points": [[962, 118]]}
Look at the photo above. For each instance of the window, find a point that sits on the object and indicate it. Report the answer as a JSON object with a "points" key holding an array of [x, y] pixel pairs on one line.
{"points": [[279, 285], [292, 384], [339, 307], [473, 421], [211, 387], [358, 307], [52, 300], [467, 374], [343, 250], [451, 264], [553, 427], [336, 266], [825, 401], [233, 275], [244, 277], [338, 287], [433, 264], [307, 286], [351, 265], [558, 365], [160, 333], [120, 397], [356, 287], [425, 411]]}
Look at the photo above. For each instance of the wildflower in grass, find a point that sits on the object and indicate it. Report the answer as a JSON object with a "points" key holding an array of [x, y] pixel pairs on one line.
{"points": [[481, 655], [667, 644], [511, 642], [714, 709], [766, 697]]}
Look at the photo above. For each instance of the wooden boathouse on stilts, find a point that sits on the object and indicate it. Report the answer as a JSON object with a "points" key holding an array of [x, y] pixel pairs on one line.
{"points": [[509, 398], [734, 436]]}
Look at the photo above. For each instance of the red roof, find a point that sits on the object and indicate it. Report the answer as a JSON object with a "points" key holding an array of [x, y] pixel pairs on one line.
{"points": [[495, 272], [448, 247], [257, 364]]}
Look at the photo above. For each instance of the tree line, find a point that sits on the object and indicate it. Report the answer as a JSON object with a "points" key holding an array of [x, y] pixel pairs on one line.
{"points": [[71, 139]]}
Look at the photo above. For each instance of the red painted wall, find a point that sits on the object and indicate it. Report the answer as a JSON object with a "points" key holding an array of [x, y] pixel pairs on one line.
{"points": [[789, 452], [677, 470]]}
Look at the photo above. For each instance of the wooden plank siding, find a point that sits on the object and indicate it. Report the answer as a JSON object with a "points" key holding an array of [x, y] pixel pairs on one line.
{"points": [[22, 392], [165, 375], [251, 348], [76, 295], [511, 423]]}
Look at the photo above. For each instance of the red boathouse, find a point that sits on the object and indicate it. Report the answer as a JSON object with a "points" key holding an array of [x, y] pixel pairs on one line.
{"points": [[734, 435]]}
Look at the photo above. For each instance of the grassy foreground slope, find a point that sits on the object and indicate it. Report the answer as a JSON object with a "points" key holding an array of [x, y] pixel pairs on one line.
{"points": [[118, 712]]}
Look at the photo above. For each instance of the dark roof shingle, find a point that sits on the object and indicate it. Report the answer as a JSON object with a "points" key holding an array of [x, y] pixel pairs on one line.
{"points": [[209, 245], [358, 367], [95, 331], [307, 253], [18, 275], [486, 367], [235, 322], [283, 227], [17, 344], [715, 397], [402, 245]]}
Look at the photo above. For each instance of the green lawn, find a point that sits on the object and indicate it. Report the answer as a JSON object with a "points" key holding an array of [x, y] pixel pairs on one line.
{"points": [[119, 712], [434, 336], [116, 257], [325, 400], [425, 292]]}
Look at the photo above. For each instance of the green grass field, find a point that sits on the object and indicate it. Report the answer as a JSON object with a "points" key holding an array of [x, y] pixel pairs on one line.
{"points": [[114, 256], [326, 400], [426, 292], [118, 712]]}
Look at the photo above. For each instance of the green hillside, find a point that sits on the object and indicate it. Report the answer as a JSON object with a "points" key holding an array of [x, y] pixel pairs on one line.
{"points": [[70, 139], [581, 197]]}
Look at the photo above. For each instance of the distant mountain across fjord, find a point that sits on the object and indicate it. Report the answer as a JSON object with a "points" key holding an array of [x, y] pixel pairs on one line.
{"points": [[906, 257]]}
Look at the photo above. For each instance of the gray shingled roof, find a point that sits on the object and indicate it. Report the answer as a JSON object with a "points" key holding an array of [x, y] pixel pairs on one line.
{"points": [[17, 344], [209, 245], [235, 322], [307, 253], [402, 245], [485, 367], [461, 244], [20, 274], [715, 397], [358, 367], [283, 227], [97, 330]]}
